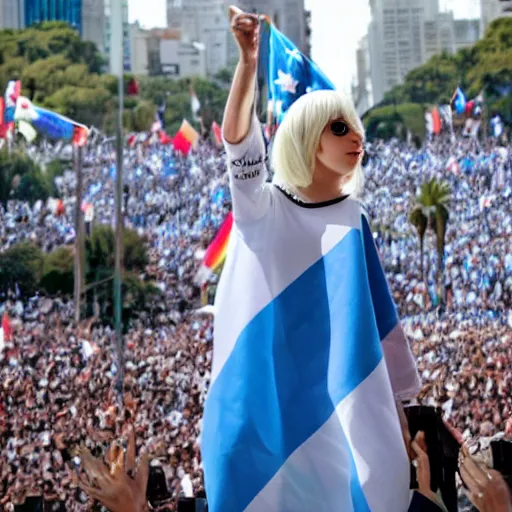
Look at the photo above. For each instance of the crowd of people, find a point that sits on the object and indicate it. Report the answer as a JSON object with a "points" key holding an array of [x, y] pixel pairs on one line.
{"points": [[56, 378]]}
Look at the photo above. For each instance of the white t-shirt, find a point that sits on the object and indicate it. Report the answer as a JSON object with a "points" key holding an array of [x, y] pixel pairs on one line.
{"points": [[309, 356]]}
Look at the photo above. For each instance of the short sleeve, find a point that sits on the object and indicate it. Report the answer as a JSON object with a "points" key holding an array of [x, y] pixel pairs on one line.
{"points": [[248, 175]]}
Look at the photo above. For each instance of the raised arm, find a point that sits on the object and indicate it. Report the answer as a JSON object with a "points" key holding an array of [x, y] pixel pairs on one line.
{"points": [[242, 133], [240, 104]]}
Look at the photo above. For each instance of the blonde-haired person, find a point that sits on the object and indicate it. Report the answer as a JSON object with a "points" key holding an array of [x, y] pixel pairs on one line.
{"points": [[296, 340], [320, 133]]}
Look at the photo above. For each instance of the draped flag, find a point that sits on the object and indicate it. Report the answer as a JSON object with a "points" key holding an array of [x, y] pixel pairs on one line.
{"points": [[186, 138], [50, 124], [27, 131], [289, 73], [216, 252], [298, 376], [459, 101]]}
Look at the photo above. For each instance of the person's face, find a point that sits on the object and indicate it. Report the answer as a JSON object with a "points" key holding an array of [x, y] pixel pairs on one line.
{"points": [[340, 149]]}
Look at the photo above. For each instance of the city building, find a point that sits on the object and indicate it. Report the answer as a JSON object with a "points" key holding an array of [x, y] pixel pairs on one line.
{"points": [[207, 22], [492, 10], [396, 40], [12, 14], [164, 52], [467, 33], [108, 35], [288, 16], [139, 50], [37, 11], [93, 22], [405, 34], [86, 16], [362, 91], [181, 59]]}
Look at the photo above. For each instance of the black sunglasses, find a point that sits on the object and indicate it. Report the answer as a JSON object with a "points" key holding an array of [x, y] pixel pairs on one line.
{"points": [[339, 128]]}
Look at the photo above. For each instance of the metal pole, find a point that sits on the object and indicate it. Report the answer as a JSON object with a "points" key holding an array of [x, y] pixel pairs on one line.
{"points": [[79, 234], [117, 47]]}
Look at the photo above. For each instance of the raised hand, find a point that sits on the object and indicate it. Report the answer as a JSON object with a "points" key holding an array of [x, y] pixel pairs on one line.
{"points": [[246, 30], [119, 484]]}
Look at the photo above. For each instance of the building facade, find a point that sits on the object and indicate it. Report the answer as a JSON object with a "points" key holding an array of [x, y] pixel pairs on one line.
{"points": [[163, 53], [404, 34], [70, 11], [492, 10], [467, 33], [12, 14], [362, 92], [207, 22], [108, 34], [289, 16], [93, 22], [396, 40]]}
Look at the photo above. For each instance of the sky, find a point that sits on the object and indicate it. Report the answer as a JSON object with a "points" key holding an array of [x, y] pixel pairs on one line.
{"points": [[337, 26]]}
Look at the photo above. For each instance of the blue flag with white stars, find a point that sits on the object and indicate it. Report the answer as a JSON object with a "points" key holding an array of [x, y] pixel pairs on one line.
{"points": [[290, 73]]}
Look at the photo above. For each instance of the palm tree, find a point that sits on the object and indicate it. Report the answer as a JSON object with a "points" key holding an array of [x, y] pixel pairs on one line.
{"points": [[420, 222], [433, 205]]}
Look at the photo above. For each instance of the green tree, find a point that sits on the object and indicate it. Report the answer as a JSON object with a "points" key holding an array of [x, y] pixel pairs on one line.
{"points": [[58, 271], [485, 66], [100, 253], [19, 167], [385, 122], [33, 187], [420, 222], [21, 266], [52, 170], [434, 201]]}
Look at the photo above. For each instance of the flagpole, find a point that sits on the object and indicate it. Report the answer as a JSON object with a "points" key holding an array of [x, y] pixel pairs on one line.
{"points": [[79, 233], [117, 65]]}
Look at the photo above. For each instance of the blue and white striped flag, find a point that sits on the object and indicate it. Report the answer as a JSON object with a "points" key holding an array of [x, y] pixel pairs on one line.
{"points": [[301, 412]]}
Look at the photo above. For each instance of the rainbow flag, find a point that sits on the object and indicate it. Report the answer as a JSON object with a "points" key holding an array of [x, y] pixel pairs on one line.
{"points": [[216, 252]]}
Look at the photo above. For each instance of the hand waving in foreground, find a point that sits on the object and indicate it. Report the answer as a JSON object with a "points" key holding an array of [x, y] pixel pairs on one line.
{"points": [[117, 484]]}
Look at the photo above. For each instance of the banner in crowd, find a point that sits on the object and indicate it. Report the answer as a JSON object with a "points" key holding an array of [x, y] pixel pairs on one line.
{"points": [[289, 73], [195, 104], [50, 124], [436, 121], [471, 128], [186, 138], [459, 101], [446, 114], [497, 126], [6, 328], [217, 134], [216, 252]]}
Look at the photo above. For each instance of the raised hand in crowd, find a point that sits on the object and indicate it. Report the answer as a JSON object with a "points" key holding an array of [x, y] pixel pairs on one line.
{"points": [[119, 484], [486, 488]]}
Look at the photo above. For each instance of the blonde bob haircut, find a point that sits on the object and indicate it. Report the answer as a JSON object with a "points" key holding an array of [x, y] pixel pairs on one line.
{"points": [[297, 138]]}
